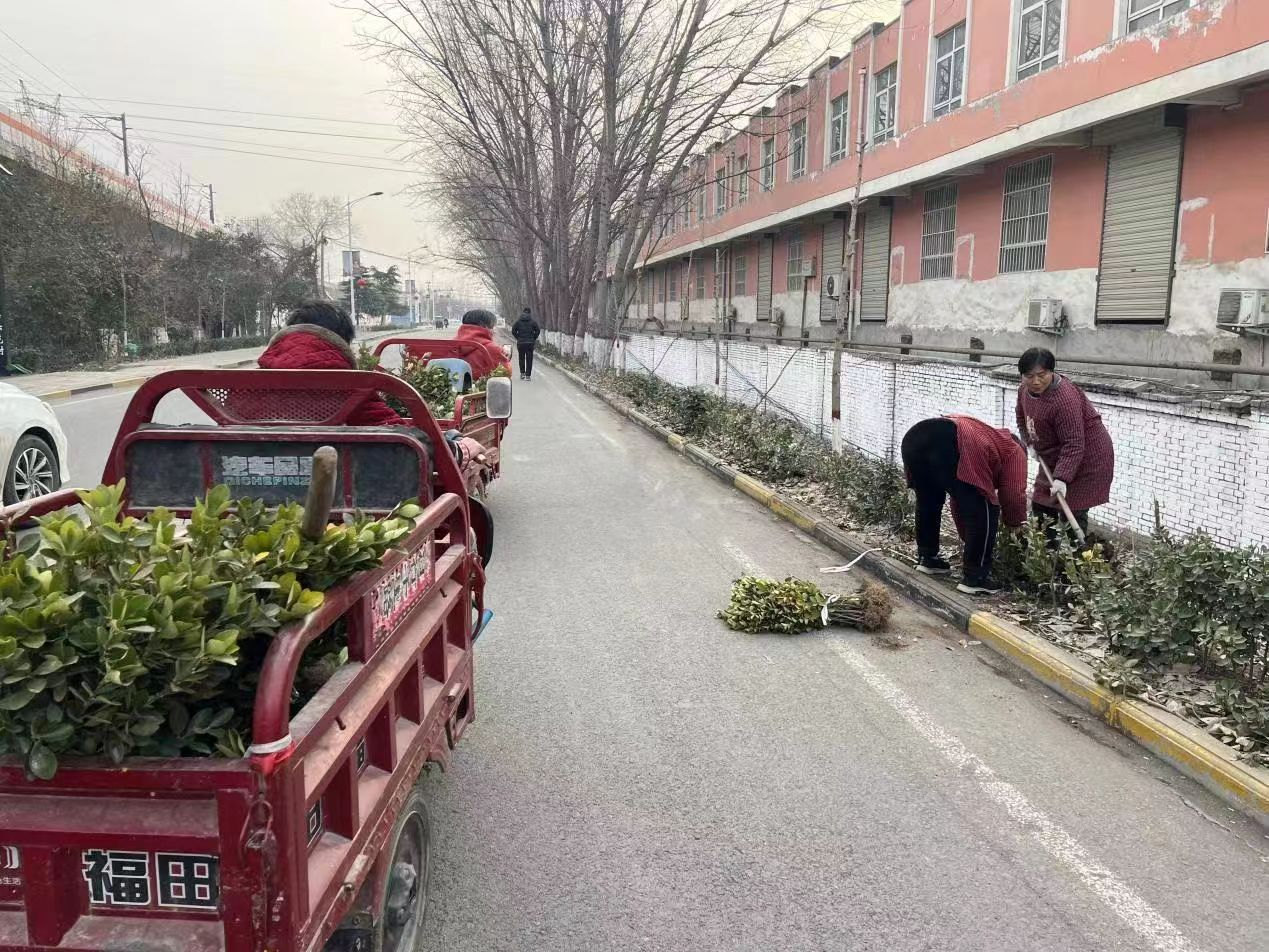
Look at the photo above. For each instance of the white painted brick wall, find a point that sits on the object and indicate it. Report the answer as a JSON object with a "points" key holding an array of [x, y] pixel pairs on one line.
{"points": [[1208, 469]]}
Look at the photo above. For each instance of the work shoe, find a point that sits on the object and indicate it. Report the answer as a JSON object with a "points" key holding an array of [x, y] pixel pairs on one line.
{"points": [[933, 565], [978, 587]]}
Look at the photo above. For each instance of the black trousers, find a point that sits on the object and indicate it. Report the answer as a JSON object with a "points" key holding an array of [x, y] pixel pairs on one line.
{"points": [[525, 352], [1051, 517], [930, 459]]}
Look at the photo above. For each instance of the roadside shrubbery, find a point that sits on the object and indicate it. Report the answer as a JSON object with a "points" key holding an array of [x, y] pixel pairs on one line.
{"points": [[1183, 623]]}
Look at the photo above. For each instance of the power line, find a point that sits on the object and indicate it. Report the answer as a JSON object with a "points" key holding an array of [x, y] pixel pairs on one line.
{"points": [[298, 132], [289, 158], [265, 145], [241, 112]]}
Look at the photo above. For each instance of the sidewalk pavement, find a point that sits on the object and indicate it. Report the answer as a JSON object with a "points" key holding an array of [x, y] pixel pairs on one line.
{"points": [[59, 386]]}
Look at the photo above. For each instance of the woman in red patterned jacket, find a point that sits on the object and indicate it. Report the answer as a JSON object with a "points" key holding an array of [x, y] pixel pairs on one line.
{"points": [[984, 471], [1061, 427]]}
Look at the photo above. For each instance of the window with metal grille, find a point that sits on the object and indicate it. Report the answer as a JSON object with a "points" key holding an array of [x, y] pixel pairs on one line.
{"points": [[1143, 13], [767, 180], [672, 281], [700, 201], [885, 88], [720, 191], [1039, 35], [739, 275], [838, 120], [938, 232], [794, 244], [687, 210], [700, 282], [1024, 230], [949, 70], [742, 180], [797, 149]]}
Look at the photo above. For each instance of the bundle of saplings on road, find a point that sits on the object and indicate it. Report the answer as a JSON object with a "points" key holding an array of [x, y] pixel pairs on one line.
{"points": [[792, 606], [126, 637]]}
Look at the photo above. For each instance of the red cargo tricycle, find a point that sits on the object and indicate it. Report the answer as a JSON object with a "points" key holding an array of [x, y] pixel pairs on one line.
{"points": [[471, 416], [317, 840]]}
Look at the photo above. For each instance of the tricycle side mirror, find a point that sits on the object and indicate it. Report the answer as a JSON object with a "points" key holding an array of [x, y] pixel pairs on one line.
{"points": [[498, 398]]}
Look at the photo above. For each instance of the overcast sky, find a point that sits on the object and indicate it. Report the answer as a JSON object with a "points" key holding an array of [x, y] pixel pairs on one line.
{"points": [[296, 57]]}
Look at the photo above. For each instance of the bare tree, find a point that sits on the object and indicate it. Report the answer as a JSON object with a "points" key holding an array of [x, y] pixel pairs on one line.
{"points": [[300, 225], [557, 132]]}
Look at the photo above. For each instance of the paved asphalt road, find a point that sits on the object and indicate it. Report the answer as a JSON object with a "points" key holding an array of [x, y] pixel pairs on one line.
{"points": [[641, 778]]}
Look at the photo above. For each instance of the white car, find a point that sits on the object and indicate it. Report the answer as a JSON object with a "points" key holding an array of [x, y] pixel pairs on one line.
{"points": [[32, 446]]}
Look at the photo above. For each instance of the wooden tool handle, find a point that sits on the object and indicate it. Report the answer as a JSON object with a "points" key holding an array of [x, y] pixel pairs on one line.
{"points": [[321, 492]]}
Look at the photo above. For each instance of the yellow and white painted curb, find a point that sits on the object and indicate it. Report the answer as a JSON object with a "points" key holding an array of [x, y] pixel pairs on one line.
{"points": [[1172, 739]]}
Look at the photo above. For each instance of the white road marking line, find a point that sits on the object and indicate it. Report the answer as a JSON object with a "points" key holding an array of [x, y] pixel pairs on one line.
{"points": [[105, 396], [581, 413], [742, 558], [1136, 913]]}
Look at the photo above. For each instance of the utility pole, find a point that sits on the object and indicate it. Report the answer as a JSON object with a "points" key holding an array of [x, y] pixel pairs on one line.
{"points": [[211, 203], [122, 136], [123, 125]]}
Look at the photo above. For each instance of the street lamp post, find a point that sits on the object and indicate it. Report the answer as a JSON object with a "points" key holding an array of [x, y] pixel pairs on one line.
{"points": [[352, 275]]}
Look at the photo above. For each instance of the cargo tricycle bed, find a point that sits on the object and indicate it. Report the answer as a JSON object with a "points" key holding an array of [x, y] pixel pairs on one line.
{"points": [[318, 838]]}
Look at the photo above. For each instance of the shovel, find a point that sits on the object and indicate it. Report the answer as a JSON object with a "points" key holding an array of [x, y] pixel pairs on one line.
{"points": [[1066, 510]]}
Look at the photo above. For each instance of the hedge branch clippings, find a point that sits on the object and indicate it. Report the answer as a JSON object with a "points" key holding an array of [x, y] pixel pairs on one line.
{"points": [[122, 636], [760, 605]]}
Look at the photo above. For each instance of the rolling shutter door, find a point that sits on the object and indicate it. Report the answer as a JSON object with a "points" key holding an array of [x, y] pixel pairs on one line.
{"points": [[831, 268], [1143, 182], [766, 249], [874, 283]]}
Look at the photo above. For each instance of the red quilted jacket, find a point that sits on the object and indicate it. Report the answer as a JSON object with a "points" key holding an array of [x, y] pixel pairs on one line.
{"points": [[488, 356], [309, 347]]}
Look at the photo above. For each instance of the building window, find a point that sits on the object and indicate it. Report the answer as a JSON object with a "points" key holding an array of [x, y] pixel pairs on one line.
{"points": [[797, 149], [838, 122], [739, 275], [672, 282], [794, 282], [742, 180], [700, 202], [1039, 35], [687, 210], [883, 102], [700, 281], [767, 181], [949, 70], [720, 191], [1144, 13], [938, 232], [1024, 230]]}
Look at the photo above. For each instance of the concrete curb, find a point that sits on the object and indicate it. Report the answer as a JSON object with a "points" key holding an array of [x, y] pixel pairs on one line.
{"points": [[1172, 739]]}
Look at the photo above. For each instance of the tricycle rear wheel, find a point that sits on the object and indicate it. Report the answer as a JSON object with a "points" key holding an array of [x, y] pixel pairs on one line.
{"points": [[399, 924]]}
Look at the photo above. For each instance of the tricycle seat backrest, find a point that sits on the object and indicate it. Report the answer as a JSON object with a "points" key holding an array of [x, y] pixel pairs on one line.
{"points": [[173, 466], [301, 406], [459, 371]]}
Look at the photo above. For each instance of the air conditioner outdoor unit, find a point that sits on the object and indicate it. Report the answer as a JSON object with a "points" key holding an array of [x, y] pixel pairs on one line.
{"points": [[833, 286], [1244, 310], [1045, 315]]}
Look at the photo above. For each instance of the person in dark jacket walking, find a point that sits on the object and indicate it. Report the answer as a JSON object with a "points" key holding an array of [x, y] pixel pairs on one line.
{"points": [[1061, 427], [984, 470], [526, 331]]}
